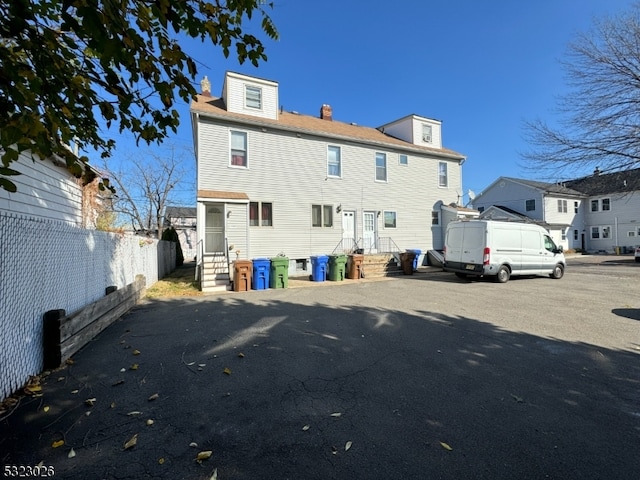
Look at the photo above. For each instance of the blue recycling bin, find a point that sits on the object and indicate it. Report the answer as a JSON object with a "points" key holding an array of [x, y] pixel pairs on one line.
{"points": [[417, 253], [319, 268], [260, 278]]}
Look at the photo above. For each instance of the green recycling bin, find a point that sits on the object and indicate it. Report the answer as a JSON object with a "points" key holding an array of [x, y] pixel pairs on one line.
{"points": [[337, 266], [279, 277]]}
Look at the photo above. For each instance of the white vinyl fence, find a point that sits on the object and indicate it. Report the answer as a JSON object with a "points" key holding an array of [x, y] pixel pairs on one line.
{"points": [[47, 265]]}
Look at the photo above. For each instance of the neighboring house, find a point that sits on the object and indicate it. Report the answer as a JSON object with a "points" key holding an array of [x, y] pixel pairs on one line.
{"points": [[183, 219], [271, 181], [47, 190], [595, 213], [612, 210]]}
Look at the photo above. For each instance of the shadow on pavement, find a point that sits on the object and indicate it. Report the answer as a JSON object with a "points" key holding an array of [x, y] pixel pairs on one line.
{"points": [[277, 387]]}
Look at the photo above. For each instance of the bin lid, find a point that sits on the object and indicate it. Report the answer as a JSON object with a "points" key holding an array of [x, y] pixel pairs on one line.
{"points": [[319, 257]]}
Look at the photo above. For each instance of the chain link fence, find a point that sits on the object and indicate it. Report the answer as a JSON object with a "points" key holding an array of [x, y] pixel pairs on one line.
{"points": [[46, 265]]}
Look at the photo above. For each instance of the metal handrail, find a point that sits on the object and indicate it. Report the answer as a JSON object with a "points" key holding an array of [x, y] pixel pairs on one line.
{"points": [[346, 245]]}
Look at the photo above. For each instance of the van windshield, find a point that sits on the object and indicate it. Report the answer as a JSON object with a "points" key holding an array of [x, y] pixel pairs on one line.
{"points": [[549, 245]]}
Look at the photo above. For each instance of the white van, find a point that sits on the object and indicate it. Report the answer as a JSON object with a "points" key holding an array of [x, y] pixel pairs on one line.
{"points": [[501, 249]]}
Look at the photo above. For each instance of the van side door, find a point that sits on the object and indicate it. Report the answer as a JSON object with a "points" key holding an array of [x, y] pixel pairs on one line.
{"points": [[532, 251]]}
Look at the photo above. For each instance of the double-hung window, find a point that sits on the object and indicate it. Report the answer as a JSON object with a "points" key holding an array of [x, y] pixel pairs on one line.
{"points": [[443, 181], [322, 216], [562, 206], [334, 161], [253, 97], [426, 133], [381, 167], [238, 149], [594, 205], [606, 204], [261, 214]]}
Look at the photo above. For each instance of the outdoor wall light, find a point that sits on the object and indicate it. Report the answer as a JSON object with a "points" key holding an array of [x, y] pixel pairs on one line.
{"points": [[379, 212], [339, 208]]}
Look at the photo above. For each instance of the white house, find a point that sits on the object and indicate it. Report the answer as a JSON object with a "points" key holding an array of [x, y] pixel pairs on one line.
{"points": [[183, 219], [271, 181], [47, 190], [595, 213]]}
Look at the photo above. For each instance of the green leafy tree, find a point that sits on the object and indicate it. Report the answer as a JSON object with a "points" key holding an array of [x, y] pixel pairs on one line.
{"points": [[69, 66], [599, 117]]}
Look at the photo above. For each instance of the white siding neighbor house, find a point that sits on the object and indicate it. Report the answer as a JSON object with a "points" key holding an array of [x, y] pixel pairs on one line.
{"points": [[274, 182], [47, 190], [596, 213]]}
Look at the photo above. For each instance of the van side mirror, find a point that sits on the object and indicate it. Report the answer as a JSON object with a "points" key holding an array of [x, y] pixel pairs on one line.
{"points": [[559, 249]]}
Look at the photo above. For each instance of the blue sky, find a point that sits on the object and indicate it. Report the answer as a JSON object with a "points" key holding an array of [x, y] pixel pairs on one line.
{"points": [[481, 67]]}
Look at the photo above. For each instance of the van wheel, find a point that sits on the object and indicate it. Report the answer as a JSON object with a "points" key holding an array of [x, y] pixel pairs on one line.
{"points": [[461, 275], [558, 272], [503, 274]]}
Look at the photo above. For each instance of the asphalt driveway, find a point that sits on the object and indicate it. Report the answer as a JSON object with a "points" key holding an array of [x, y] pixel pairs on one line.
{"points": [[416, 377]]}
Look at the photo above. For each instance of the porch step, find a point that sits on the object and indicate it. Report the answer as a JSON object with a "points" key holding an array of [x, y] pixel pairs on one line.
{"points": [[215, 274], [380, 265]]}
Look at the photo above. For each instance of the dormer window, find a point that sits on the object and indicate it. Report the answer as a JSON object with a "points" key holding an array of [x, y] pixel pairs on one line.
{"points": [[253, 97], [426, 133]]}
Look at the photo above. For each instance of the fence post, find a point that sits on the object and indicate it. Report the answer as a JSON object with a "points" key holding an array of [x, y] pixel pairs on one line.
{"points": [[52, 357]]}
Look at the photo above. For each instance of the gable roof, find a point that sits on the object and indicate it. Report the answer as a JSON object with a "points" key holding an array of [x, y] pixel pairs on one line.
{"points": [[298, 123], [547, 187], [606, 183], [178, 212]]}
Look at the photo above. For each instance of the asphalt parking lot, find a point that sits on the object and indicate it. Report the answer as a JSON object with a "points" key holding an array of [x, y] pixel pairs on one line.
{"points": [[417, 377]]}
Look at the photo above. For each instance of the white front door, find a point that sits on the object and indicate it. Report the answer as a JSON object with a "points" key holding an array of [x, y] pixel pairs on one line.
{"points": [[214, 229], [348, 228], [369, 231]]}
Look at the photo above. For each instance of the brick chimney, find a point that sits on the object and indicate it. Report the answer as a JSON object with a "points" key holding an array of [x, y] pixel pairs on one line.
{"points": [[205, 86], [326, 113]]}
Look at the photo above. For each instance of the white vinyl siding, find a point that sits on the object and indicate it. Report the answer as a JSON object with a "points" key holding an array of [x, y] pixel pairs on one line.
{"points": [[277, 174], [44, 191], [234, 94]]}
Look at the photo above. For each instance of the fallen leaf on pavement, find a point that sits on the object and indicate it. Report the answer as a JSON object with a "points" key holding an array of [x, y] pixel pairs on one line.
{"points": [[446, 446], [90, 402], [72, 453], [136, 352], [57, 443], [517, 398], [153, 397], [133, 367], [215, 475], [204, 455], [131, 442], [227, 371], [348, 445], [306, 427], [149, 422], [337, 414], [161, 461]]}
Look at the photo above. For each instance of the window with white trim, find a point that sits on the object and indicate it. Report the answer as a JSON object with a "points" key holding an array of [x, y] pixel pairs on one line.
{"points": [[443, 181], [562, 206], [389, 219], [594, 205], [260, 214], [606, 232], [576, 205], [403, 159], [575, 235], [334, 161], [381, 167], [563, 234], [595, 233], [631, 234], [606, 204], [238, 153], [253, 97], [322, 216], [426, 133]]}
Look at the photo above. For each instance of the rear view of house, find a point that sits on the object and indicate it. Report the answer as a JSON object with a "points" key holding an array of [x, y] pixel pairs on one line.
{"points": [[274, 182]]}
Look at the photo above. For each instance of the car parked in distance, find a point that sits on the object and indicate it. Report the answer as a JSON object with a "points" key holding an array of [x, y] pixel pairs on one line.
{"points": [[637, 254]]}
